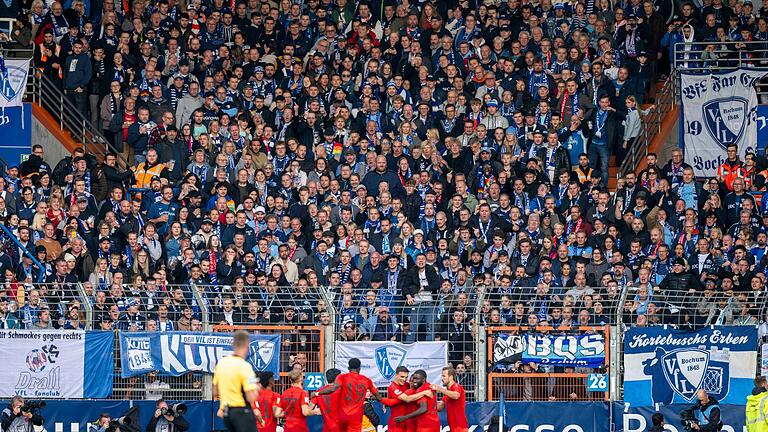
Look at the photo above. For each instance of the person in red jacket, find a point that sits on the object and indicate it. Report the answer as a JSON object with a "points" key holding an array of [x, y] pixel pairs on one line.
{"points": [[295, 403], [352, 387], [401, 397], [426, 413], [267, 404], [454, 400], [329, 403]]}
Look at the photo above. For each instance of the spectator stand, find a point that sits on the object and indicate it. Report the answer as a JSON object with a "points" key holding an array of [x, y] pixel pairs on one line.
{"points": [[47, 306], [41, 90]]}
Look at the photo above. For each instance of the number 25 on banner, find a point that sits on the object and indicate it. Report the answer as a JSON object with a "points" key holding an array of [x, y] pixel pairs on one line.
{"points": [[597, 382], [313, 381]]}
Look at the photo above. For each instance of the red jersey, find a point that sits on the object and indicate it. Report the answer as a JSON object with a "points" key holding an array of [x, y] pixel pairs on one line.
{"points": [[329, 408], [291, 402], [352, 389], [399, 409], [429, 421], [454, 408], [265, 402]]}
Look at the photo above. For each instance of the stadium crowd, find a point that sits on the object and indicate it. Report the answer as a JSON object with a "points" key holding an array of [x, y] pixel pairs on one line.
{"points": [[411, 159]]}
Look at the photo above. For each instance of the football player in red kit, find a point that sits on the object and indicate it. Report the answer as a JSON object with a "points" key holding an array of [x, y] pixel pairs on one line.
{"points": [[454, 400], [401, 397], [426, 414], [329, 403], [295, 404], [353, 388], [268, 404]]}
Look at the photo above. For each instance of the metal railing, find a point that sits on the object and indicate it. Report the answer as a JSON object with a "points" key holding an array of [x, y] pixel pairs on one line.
{"points": [[696, 58], [42, 91], [711, 56], [666, 99], [303, 347], [486, 367], [526, 381]]}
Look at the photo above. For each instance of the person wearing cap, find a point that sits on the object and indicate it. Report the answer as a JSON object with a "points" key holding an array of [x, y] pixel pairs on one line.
{"points": [[679, 281], [493, 119]]}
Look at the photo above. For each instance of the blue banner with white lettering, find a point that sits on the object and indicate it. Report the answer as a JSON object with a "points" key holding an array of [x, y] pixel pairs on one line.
{"points": [[176, 353], [521, 416], [571, 350], [762, 128], [638, 419], [663, 366]]}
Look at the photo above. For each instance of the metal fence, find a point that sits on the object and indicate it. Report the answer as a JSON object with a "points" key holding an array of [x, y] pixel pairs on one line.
{"points": [[303, 347], [526, 381], [471, 320]]}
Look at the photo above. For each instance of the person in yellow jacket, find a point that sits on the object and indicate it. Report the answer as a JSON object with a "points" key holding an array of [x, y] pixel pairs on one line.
{"points": [[757, 407]]}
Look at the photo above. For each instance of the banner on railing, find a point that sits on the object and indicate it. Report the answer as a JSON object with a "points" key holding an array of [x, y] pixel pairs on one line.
{"points": [[575, 350], [762, 128], [56, 364], [176, 353], [764, 361], [380, 359], [664, 366], [718, 109], [13, 81]]}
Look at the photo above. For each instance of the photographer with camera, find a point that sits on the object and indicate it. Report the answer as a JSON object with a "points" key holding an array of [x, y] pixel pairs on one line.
{"points": [[101, 425], [168, 418], [704, 416], [20, 416]]}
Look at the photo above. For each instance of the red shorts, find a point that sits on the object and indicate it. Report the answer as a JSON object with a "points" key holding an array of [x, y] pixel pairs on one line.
{"points": [[428, 429], [351, 426], [458, 429]]}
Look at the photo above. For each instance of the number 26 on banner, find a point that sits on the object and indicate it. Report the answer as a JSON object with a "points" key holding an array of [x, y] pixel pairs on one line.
{"points": [[597, 382]]}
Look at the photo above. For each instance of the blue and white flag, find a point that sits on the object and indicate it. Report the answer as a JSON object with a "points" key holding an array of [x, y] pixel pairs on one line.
{"points": [[176, 353], [13, 81], [56, 364], [718, 109], [379, 360], [664, 366], [573, 350]]}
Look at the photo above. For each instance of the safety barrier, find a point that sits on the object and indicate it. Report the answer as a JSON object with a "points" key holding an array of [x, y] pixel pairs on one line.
{"points": [[302, 347], [470, 322], [542, 364]]}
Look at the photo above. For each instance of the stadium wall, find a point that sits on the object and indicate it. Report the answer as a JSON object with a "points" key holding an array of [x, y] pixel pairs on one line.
{"points": [[74, 415]]}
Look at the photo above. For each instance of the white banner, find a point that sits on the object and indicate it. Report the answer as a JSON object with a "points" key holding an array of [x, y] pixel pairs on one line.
{"points": [[718, 109], [764, 361], [52, 364], [381, 359], [13, 81]]}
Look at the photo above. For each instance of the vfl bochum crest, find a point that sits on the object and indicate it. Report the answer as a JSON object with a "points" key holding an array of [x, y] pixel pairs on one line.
{"points": [[388, 358], [261, 354], [13, 80], [718, 109], [726, 119], [685, 371]]}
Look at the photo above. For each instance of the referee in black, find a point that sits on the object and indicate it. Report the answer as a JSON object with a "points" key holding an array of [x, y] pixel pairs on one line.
{"points": [[234, 384]]}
